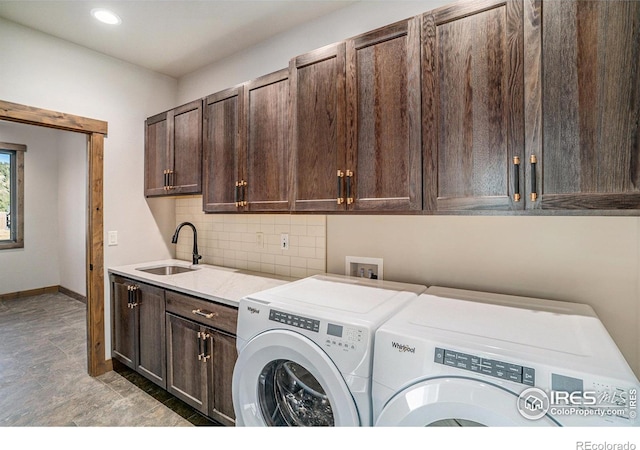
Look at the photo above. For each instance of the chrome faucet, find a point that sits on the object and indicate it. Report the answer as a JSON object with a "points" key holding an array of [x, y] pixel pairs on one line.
{"points": [[174, 240]]}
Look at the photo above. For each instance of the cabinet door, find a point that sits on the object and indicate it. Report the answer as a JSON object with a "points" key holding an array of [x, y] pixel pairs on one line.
{"points": [[150, 310], [123, 319], [590, 106], [318, 143], [222, 348], [223, 122], [186, 373], [186, 149], [383, 119], [266, 163], [473, 106], [156, 154]]}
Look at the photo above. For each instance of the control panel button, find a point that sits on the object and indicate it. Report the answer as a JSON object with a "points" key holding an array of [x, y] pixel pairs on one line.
{"points": [[485, 366], [294, 320], [528, 376], [439, 358]]}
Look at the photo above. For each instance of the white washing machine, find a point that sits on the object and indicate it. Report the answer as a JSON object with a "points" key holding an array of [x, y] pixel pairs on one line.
{"points": [[305, 350], [454, 357]]}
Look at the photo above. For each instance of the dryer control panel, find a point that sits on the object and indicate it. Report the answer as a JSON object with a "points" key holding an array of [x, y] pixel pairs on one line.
{"points": [[491, 367]]}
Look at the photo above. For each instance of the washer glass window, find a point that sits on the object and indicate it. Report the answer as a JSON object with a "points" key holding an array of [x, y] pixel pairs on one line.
{"points": [[291, 396], [455, 423]]}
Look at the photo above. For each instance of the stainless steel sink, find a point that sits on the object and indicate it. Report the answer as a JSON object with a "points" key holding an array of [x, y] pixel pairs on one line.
{"points": [[166, 270]]}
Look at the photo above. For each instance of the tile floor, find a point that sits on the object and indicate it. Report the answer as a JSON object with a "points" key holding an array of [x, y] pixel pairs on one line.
{"points": [[44, 380]]}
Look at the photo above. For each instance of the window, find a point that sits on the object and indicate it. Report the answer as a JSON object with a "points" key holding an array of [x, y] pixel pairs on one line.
{"points": [[11, 195]]}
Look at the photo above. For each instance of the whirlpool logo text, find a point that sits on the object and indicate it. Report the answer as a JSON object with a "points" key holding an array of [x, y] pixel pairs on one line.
{"points": [[253, 310], [403, 348]]}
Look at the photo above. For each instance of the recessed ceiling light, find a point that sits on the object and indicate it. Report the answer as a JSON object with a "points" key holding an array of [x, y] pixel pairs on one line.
{"points": [[106, 16]]}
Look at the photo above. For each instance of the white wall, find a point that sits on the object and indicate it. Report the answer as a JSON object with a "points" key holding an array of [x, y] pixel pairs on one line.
{"points": [[72, 210], [55, 211], [592, 260], [35, 265], [275, 53], [41, 71], [579, 259]]}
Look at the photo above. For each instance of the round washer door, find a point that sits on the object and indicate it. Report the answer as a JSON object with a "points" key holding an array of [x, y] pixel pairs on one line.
{"points": [[438, 400], [282, 378]]}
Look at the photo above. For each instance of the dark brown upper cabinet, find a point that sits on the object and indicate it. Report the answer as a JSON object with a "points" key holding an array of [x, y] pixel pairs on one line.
{"points": [[156, 154], [473, 106], [173, 151], [223, 146], [318, 127], [588, 145], [383, 170], [246, 146], [265, 165], [504, 106]]}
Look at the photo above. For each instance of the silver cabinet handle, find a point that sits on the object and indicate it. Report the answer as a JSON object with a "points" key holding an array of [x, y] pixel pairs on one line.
{"points": [[202, 346], [132, 296], [208, 315]]}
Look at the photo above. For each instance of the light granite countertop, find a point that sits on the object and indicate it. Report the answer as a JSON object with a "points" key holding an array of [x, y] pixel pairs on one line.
{"points": [[218, 284]]}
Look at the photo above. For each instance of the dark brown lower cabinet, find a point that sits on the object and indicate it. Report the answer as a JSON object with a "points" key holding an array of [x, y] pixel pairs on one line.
{"points": [[187, 375], [224, 356], [184, 344], [137, 312], [200, 364], [123, 329]]}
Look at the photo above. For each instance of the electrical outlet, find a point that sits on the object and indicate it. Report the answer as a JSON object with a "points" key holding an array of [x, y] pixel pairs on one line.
{"points": [[284, 241], [259, 239], [113, 238]]}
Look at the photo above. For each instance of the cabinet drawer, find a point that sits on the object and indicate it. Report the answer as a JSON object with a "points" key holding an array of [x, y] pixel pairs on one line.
{"points": [[211, 314]]}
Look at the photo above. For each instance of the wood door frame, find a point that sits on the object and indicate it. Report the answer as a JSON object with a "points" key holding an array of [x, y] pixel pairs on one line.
{"points": [[96, 131]]}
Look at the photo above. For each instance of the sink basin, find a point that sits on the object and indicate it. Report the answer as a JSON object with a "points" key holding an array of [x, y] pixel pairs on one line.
{"points": [[166, 270]]}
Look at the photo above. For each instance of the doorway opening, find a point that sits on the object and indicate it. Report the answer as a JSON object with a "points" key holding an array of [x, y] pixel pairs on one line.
{"points": [[95, 131]]}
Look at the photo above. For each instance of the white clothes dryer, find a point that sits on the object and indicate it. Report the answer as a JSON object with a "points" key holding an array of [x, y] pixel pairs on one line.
{"points": [[305, 350], [455, 357]]}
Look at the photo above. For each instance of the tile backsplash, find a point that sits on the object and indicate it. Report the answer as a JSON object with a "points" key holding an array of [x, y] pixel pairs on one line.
{"points": [[252, 241]]}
